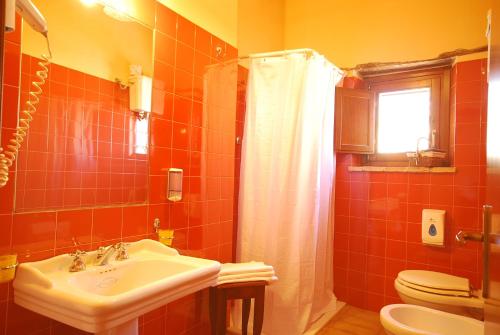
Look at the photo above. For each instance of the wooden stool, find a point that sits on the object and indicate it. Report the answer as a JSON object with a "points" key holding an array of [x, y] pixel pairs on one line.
{"points": [[246, 291]]}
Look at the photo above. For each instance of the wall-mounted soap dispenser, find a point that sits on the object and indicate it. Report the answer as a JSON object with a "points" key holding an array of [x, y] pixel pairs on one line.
{"points": [[174, 188]]}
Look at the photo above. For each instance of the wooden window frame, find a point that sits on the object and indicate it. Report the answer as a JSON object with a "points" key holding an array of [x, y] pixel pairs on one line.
{"points": [[439, 82]]}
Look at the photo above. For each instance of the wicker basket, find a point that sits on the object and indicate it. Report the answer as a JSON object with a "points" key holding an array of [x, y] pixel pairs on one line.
{"points": [[426, 160]]}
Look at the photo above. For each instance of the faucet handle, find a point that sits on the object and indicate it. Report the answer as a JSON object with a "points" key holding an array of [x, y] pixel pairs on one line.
{"points": [[78, 264], [121, 251], [101, 251], [78, 253], [462, 237]]}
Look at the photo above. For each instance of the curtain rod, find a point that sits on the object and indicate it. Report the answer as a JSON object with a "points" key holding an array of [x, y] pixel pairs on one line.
{"points": [[307, 51]]}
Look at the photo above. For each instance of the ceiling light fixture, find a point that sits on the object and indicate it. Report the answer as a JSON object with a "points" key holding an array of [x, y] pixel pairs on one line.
{"points": [[116, 14], [116, 9], [88, 3]]}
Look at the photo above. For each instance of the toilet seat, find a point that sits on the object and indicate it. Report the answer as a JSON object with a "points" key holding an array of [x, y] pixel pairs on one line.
{"points": [[437, 288], [444, 299], [435, 283]]}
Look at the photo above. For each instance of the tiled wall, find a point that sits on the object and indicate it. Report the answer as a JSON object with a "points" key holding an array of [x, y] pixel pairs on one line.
{"points": [[378, 215], [80, 150], [193, 128]]}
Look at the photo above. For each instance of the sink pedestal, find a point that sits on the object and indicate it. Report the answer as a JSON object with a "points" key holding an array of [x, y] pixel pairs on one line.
{"points": [[128, 328]]}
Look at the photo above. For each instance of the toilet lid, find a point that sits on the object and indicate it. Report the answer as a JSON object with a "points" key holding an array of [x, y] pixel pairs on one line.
{"points": [[435, 282]]}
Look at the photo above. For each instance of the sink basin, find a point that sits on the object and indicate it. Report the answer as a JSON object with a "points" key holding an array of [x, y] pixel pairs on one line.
{"points": [[108, 299], [119, 280]]}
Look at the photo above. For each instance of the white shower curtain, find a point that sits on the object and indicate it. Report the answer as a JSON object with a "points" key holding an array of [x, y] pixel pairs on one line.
{"points": [[287, 175]]}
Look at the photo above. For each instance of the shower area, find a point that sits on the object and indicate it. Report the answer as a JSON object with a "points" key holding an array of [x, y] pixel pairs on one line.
{"points": [[286, 183]]}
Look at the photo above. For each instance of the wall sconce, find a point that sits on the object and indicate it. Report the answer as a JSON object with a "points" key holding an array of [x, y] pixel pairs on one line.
{"points": [[140, 91], [141, 88]]}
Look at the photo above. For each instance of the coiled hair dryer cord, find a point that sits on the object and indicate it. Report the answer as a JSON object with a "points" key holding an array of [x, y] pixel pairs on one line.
{"points": [[8, 156]]}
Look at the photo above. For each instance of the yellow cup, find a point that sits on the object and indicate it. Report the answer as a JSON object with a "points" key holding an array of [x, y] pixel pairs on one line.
{"points": [[8, 264], [166, 236]]}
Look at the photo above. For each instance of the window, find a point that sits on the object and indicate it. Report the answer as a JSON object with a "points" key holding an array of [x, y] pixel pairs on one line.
{"points": [[403, 118], [411, 109]]}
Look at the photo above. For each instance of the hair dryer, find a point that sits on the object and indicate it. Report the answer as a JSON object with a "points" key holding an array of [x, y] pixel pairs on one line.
{"points": [[28, 11]]}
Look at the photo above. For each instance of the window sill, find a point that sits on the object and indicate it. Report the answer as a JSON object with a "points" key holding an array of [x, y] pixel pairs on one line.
{"points": [[409, 169]]}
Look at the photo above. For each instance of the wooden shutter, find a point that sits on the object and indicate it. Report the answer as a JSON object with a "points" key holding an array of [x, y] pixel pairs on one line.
{"points": [[354, 121]]}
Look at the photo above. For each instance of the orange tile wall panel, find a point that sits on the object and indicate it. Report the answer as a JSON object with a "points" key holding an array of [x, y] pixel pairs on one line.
{"points": [[180, 136], [77, 152], [378, 215]]}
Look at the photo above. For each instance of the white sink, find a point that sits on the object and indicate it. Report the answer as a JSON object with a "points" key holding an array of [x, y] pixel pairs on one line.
{"points": [[108, 299]]}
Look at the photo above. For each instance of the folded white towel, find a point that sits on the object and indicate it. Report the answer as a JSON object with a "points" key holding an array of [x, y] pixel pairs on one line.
{"points": [[245, 272], [249, 267], [269, 280], [267, 274]]}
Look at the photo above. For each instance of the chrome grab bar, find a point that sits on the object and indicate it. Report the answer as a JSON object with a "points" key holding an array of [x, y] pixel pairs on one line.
{"points": [[486, 250], [462, 237], [487, 238]]}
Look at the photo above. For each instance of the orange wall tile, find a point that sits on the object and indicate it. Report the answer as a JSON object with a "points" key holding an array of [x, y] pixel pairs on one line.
{"points": [[77, 149], [378, 215], [181, 136]]}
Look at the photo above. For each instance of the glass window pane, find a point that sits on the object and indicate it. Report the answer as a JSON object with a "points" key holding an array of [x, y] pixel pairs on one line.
{"points": [[403, 117]]}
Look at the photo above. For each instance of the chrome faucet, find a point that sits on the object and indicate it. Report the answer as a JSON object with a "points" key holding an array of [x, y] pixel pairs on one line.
{"points": [[104, 254], [418, 152]]}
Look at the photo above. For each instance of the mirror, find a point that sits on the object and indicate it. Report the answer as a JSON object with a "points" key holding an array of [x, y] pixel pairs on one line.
{"points": [[85, 147]]}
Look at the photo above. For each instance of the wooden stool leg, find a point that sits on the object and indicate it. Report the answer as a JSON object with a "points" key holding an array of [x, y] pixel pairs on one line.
{"points": [[245, 313], [213, 309], [258, 311], [221, 306]]}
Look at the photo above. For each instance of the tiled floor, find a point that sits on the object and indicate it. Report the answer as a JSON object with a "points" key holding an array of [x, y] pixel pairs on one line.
{"points": [[353, 321]]}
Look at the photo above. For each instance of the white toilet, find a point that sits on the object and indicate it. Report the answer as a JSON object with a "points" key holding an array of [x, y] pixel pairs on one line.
{"points": [[403, 319], [439, 291]]}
